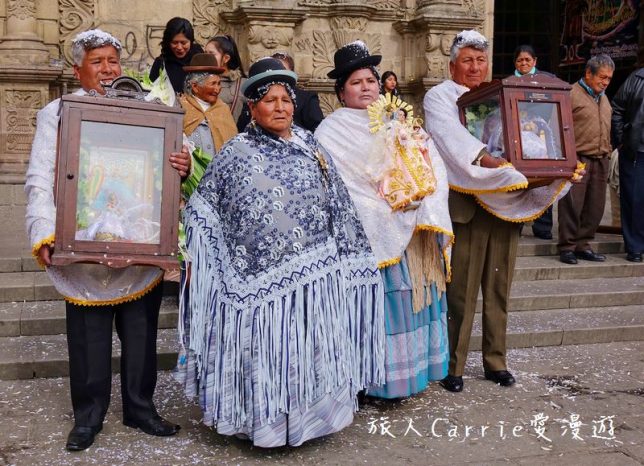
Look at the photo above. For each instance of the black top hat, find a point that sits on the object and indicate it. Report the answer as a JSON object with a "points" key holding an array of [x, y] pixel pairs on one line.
{"points": [[352, 57], [204, 62], [267, 70]]}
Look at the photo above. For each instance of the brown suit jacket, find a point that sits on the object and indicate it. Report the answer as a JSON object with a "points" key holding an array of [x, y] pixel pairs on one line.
{"points": [[461, 207]]}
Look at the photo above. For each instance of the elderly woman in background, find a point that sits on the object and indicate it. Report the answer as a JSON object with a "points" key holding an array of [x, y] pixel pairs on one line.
{"points": [[411, 237], [207, 123], [284, 321]]}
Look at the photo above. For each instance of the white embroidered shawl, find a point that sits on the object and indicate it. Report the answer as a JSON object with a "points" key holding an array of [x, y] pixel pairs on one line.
{"points": [[345, 136], [500, 191]]}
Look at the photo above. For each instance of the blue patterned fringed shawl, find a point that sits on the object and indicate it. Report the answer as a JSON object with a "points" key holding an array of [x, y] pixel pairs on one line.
{"points": [[278, 258]]}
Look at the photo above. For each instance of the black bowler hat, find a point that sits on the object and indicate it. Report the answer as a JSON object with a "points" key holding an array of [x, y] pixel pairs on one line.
{"points": [[352, 57], [266, 70]]}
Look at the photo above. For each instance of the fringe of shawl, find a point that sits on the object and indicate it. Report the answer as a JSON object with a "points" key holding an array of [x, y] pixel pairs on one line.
{"points": [[323, 312], [425, 268]]}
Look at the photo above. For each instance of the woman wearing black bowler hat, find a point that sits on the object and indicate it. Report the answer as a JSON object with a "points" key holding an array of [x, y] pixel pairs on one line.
{"points": [[284, 321], [411, 237]]}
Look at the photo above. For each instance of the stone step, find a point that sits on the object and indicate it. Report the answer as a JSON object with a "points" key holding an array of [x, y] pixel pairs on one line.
{"points": [[22, 261], [48, 317], [36, 286], [26, 286], [551, 268], [28, 357], [575, 293], [603, 244], [554, 327], [39, 356]]}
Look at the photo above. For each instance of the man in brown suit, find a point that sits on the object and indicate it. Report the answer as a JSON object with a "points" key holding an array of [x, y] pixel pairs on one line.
{"points": [[581, 210], [485, 247]]}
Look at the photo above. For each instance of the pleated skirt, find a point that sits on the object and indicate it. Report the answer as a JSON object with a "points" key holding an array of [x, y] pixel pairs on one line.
{"points": [[417, 348]]}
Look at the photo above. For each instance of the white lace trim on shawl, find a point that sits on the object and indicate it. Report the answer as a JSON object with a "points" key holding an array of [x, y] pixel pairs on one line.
{"points": [[346, 137], [89, 284], [501, 190]]}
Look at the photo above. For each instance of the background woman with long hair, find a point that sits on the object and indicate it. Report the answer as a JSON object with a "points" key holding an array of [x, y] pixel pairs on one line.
{"points": [[177, 49], [225, 49]]}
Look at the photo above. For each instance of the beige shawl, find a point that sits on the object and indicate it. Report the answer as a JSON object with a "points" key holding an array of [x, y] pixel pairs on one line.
{"points": [[220, 121]]}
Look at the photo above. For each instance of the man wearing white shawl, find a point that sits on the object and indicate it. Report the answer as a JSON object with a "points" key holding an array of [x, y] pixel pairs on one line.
{"points": [[488, 201], [97, 296]]}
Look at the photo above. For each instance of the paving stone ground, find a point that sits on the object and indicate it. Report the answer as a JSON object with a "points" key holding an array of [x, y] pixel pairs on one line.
{"points": [[591, 381]]}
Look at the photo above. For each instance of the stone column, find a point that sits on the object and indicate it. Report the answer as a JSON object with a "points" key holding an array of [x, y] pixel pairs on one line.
{"points": [[21, 45], [25, 77]]}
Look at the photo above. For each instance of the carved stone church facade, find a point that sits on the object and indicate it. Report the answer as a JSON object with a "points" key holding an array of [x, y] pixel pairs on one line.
{"points": [[35, 35]]}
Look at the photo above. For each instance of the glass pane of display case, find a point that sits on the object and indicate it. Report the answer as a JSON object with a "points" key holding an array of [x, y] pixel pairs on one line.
{"points": [[120, 183], [483, 120], [540, 136]]}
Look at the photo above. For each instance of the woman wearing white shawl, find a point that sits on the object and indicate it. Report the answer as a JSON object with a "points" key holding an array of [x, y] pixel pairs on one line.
{"points": [[411, 242]]}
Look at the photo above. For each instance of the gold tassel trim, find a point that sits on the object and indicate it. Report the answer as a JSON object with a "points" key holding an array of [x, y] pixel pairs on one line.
{"points": [[122, 299], [450, 242], [425, 268], [34, 250]]}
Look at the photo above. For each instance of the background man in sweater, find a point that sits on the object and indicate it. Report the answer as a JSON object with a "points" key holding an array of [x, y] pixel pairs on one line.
{"points": [[581, 210]]}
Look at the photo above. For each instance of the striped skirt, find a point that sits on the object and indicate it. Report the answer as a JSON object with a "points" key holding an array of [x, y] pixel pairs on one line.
{"points": [[417, 348]]}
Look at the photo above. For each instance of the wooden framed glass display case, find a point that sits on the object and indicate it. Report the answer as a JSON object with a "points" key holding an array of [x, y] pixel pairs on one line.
{"points": [[528, 121], [117, 195]]}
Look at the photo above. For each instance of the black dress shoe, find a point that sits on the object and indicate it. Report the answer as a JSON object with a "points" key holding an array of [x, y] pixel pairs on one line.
{"points": [[154, 426], [590, 255], [567, 257], [542, 234], [452, 383], [634, 257], [503, 378], [80, 438]]}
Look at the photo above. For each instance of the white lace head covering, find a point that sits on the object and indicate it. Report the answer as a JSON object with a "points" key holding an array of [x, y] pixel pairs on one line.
{"points": [[92, 39], [467, 38]]}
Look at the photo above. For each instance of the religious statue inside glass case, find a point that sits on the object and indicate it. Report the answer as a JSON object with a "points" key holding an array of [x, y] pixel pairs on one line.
{"points": [[116, 192], [526, 120], [119, 188]]}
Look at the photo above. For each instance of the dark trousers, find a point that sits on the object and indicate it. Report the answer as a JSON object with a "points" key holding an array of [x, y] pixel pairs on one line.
{"points": [[89, 341], [543, 224], [581, 210], [631, 200], [483, 257]]}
